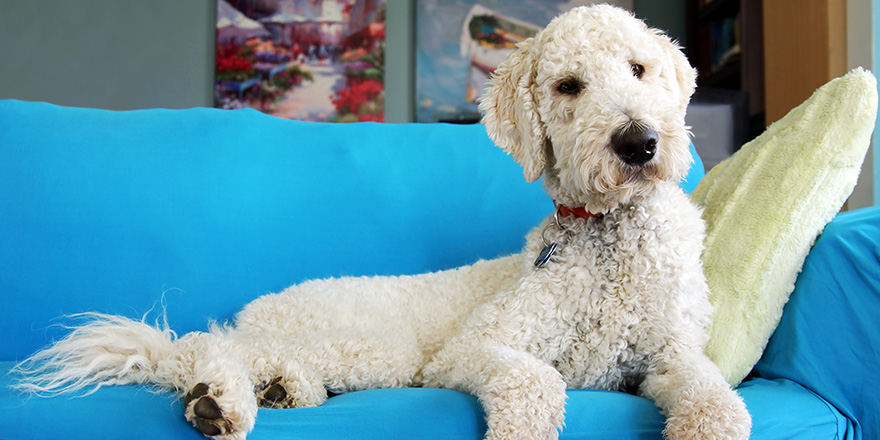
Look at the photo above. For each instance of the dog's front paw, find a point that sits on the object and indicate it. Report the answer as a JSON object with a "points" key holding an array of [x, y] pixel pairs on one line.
{"points": [[529, 404], [722, 416]]}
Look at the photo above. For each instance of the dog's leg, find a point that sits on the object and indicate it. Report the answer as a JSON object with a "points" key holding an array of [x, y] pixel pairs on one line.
{"points": [[232, 375], [283, 382], [214, 372], [698, 402], [524, 398]]}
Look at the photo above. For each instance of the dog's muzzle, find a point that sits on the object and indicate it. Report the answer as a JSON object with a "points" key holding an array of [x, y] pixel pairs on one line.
{"points": [[635, 144]]}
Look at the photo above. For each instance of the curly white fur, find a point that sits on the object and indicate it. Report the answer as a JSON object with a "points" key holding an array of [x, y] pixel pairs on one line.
{"points": [[622, 305]]}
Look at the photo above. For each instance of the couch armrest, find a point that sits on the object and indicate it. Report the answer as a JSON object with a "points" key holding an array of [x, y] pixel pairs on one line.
{"points": [[827, 339]]}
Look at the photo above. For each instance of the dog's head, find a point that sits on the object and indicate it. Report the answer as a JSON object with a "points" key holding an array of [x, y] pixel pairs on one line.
{"points": [[595, 102]]}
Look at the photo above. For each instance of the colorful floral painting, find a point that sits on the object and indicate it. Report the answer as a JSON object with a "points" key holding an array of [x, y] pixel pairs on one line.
{"points": [[314, 60], [461, 42]]}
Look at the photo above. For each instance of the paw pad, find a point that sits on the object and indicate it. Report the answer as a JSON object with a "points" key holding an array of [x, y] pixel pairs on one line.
{"points": [[273, 395], [208, 417]]}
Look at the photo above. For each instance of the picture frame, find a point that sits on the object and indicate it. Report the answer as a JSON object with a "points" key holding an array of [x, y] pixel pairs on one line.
{"points": [[459, 43], [313, 60]]}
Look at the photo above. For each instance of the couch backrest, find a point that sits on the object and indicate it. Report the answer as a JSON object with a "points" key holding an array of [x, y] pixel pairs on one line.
{"points": [[201, 210]]}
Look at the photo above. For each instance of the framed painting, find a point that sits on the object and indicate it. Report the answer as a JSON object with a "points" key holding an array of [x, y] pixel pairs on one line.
{"points": [[314, 60], [459, 43]]}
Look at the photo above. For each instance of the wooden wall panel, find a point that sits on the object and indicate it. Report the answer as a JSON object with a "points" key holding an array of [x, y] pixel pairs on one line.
{"points": [[804, 47]]}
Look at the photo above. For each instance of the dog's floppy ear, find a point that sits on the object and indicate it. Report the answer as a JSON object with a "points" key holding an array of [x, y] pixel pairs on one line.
{"points": [[510, 111], [684, 73]]}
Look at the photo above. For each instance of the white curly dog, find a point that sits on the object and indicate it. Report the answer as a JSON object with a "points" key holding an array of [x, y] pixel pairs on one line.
{"points": [[616, 300]]}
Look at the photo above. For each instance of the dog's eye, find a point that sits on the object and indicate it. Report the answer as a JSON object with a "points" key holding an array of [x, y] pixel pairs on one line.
{"points": [[570, 86], [637, 70]]}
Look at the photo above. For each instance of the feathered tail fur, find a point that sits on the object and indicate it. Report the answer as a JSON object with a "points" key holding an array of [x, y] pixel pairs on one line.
{"points": [[107, 350]]}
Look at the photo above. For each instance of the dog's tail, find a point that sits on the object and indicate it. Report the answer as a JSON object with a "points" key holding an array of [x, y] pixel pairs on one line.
{"points": [[106, 350]]}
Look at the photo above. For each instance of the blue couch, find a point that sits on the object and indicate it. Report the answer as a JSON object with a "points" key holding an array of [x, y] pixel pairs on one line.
{"points": [[193, 213]]}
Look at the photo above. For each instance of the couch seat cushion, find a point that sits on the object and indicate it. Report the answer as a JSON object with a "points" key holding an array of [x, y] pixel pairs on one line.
{"points": [[781, 410]]}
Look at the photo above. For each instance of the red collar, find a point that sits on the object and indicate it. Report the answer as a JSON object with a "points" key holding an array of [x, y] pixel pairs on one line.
{"points": [[565, 211]]}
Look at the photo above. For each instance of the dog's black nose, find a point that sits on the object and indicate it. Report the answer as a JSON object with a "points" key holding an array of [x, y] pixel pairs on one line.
{"points": [[635, 144]]}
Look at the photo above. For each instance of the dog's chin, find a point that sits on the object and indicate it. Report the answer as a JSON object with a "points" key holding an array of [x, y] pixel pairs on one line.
{"points": [[602, 189], [647, 174], [621, 185]]}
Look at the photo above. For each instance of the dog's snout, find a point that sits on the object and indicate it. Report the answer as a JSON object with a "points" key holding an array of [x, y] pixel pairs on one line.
{"points": [[635, 144]]}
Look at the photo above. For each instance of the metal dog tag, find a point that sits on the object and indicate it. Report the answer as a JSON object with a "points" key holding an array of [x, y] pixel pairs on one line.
{"points": [[545, 255]]}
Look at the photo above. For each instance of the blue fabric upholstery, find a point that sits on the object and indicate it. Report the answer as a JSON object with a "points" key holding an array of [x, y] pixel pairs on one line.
{"points": [[207, 209], [781, 409], [199, 211], [827, 339], [108, 211]]}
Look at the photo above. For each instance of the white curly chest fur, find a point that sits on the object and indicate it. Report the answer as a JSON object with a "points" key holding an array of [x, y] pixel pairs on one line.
{"points": [[623, 304]]}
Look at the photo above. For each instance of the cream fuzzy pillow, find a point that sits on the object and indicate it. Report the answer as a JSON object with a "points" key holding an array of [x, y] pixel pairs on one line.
{"points": [[765, 206]]}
